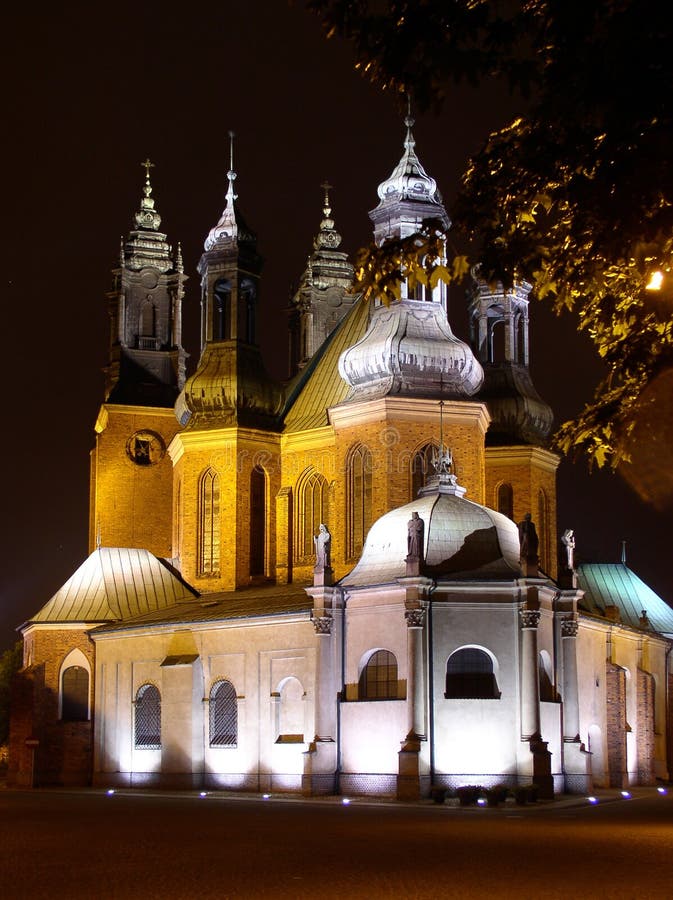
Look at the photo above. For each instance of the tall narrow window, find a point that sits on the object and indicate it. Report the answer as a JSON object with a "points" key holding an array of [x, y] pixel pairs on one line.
{"points": [[209, 523], [257, 521], [358, 499], [223, 715], [422, 468], [542, 531], [247, 318], [221, 310], [470, 675], [75, 694], [148, 319], [148, 718], [311, 509], [506, 500], [378, 679]]}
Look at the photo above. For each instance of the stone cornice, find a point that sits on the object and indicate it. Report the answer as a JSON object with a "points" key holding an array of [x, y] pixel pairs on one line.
{"points": [[215, 438], [524, 455], [123, 409], [409, 409], [316, 438]]}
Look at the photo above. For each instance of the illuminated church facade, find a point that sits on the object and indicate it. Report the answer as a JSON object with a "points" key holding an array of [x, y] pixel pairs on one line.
{"points": [[217, 637]]}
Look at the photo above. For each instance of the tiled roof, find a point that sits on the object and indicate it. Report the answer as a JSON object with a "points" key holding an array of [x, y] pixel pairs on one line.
{"points": [[319, 386], [253, 603], [115, 583], [614, 584]]}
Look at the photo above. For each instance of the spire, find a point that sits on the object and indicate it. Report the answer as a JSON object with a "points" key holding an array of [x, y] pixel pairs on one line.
{"points": [[147, 219], [228, 227], [328, 237]]}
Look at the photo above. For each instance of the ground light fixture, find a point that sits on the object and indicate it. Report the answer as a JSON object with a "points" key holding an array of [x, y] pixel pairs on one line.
{"points": [[266, 796], [110, 792], [592, 799], [662, 790], [345, 801], [203, 794], [626, 795]]}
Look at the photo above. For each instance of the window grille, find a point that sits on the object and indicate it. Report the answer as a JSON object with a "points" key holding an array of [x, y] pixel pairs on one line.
{"points": [[223, 715], [470, 676], [148, 718], [378, 680], [75, 694]]}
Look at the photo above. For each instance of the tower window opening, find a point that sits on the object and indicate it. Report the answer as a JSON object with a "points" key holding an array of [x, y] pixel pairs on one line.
{"points": [[222, 310]]}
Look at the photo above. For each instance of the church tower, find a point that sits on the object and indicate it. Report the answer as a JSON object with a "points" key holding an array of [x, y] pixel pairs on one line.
{"points": [[226, 460], [520, 472], [131, 480], [323, 297]]}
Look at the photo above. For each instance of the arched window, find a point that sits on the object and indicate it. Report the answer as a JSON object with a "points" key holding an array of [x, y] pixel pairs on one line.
{"points": [[542, 530], [223, 715], [470, 675], [209, 523], [148, 315], [221, 310], [75, 694], [147, 731], [290, 712], [311, 509], [378, 679], [506, 500], [257, 521], [247, 293], [422, 468], [358, 499]]}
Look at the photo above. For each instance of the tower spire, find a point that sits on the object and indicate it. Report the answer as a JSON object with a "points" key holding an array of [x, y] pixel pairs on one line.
{"points": [[230, 225], [147, 218]]}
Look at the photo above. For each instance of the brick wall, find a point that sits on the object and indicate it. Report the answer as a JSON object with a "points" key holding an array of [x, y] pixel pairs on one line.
{"points": [[645, 726], [615, 678]]}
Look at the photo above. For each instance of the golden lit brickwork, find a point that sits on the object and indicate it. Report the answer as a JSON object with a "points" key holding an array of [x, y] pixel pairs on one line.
{"points": [[131, 479], [245, 516], [531, 473]]}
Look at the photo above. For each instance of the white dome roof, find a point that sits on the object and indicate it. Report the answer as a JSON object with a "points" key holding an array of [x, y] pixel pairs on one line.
{"points": [[462, 540]]}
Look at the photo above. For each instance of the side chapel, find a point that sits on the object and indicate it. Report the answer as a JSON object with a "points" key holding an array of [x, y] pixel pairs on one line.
{"points": [[298, 586]]}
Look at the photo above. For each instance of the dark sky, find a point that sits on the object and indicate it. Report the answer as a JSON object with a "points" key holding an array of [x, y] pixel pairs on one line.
{"points": [[92, 89]]}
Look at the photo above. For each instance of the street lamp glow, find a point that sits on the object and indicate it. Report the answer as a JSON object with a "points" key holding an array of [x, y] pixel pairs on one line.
{"points": [[655, 282]]}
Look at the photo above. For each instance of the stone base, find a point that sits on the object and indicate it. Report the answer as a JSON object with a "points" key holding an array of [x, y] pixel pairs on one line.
{"points": [[576, 768], [319, 776], [408, 777]]}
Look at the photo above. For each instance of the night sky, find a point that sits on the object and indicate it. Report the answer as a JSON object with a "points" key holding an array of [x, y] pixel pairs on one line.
{"points": [[91, 91]]}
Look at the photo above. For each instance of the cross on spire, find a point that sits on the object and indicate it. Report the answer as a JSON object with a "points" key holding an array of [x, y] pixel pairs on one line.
{"points": [[147, 165]]}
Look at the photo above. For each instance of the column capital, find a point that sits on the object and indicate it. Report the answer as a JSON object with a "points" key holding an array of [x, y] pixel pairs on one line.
{"points": [[529, 618], [322, 624], [415, 617], [569, 627]]}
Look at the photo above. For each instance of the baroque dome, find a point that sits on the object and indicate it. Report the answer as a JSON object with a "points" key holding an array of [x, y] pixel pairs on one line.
{"points": [[462, 540]]}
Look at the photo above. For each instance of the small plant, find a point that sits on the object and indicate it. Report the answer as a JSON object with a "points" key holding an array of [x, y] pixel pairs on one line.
{"points": [[468, 794], [438, 794], [496, 795]]}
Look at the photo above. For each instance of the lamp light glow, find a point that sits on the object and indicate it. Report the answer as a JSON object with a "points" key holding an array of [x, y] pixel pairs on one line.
{"points": [[626, 795], [662, 790], [481, 801], [266, 796], [110, 792], [592, 799], [655, 282], [345, 801]]}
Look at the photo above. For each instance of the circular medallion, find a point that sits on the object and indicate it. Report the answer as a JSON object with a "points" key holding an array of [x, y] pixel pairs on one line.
{"points": [[149, 279], [145, 448]]}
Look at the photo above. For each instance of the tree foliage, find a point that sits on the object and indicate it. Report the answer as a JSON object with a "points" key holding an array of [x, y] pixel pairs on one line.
{"points": [[10, 663], [576, 196]]}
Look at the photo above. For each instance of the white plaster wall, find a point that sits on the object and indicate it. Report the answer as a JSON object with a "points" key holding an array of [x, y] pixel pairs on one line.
{"points": [[373, 731]]}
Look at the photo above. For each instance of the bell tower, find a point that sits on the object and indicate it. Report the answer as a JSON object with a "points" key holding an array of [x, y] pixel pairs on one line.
{"points": [[226, 459], [520, 471], [131, 482]]}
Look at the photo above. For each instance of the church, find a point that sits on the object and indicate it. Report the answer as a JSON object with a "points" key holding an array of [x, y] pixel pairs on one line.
{"points": [[348, 583]]}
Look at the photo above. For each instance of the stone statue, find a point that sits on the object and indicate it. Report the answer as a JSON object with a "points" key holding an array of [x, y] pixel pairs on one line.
{"points": [[528, 540], [568, 541], [415, 529], [323, 545]]}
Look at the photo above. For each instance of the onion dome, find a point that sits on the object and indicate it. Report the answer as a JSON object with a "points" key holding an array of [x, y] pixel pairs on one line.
{"points": [[462, 540], [409, 349]]}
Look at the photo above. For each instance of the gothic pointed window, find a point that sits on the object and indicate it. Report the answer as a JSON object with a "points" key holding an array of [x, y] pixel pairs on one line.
{"points": [[257, 521], [147, 725], [378, 678], [311, 510], [505, 502], [223, 715], [470, 676], [358, 499], [422, 468], [75, 694], [209, 523]]}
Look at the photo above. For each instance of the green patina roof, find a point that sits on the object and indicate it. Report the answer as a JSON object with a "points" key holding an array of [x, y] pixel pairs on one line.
{"points": [[245, 603], [614, 584], [115, 583], [318, 386]]}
